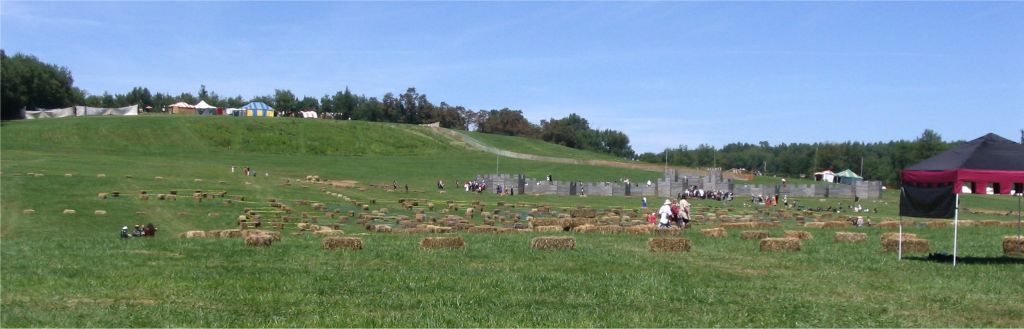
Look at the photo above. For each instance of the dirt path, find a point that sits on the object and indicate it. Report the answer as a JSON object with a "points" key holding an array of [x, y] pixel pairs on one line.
{"points": [[476, 144]]}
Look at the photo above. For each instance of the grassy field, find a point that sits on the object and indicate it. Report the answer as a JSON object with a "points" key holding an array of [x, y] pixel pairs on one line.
{"points": [[73, 271], [530, 146]]}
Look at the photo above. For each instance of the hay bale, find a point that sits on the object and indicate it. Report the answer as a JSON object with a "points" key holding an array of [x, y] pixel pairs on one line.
{"points": [[894, 224], [780, 244], [1013, 245], [1009, 224], [553, 243], [717, 232], [69, 211], [438, 229], [100, 212], [639, 229], [381, 228], [233, 233], [851, 237], [739, 225], [671, 231], [754, 235], [896, 236], [192, 234], [837, 224], [342, 243], [483, 229], [587, 228], [912, 245], [609, 229], [668, 244], [28, 211], [276, 236], [101, 195], [990, 223], [582, 213], [328, 232], [549, 228], [814, 224], [258, 240], [442, 242], [535, 222], [802, 235], [158, 178], [101, 175], [937, 224]]}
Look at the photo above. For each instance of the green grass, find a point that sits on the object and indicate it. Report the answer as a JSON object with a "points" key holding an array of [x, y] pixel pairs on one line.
{"points": [[72, 270]]}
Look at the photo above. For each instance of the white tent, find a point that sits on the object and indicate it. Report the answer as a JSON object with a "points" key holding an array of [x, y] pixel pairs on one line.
{"points": [[826, 176], [182, 105], [203, 105]]}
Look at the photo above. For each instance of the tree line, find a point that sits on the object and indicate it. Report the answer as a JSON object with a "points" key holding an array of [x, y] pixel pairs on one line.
{"points": [[877, 161]]}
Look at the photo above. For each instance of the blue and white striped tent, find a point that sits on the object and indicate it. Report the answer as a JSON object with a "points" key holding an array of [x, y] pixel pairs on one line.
{"points": [[257, 109]]}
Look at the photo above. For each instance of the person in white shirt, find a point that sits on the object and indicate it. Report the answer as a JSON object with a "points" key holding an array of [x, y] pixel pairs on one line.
{"points": [[664, 213]]}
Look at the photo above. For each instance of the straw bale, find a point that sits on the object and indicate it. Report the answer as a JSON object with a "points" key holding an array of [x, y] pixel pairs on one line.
{"points": [[69, 211], [585, 228], [671, 231], [192, 234], [101, 175], [102, 195], [754, 235], [802, 235], [143, 197], [668, 244], [912, 245], [328, 232], [851, 237], [717, 232], [483, 229], [894, 224], [640, 229], [780, 244], [990, 223], [438, 229], [442, 242], [738, 225], [158, 178], [967, 223], [1013, 245], [28, 211], [837, 224], [233, 233], [1009, 224], [259, 241], [549, 222], [582, 213], [549, 228], [100, 212], [938, 224], [896, 236], [381, 228], [814, 224], [342, 243], [553, 243], [383, 210]]}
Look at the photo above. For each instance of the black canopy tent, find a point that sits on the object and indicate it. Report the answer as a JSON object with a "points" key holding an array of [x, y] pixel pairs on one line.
{"points": [[931, 187]]}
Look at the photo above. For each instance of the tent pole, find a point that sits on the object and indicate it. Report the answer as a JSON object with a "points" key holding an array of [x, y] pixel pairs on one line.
{"points": [[899, 245], [1020, 196], [956, 226]]}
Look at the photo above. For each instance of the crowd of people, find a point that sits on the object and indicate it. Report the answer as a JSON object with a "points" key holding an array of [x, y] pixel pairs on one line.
{"points": [[476, 185], [139, 231], [699, 193], [671, 213]]}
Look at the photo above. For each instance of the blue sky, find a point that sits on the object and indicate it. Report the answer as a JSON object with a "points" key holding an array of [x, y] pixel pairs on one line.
{"points": [[664, 73]]}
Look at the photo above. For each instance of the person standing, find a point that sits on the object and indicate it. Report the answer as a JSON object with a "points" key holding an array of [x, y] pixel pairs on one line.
{"points": [[665, 212], [643, 203], [683, 217]]}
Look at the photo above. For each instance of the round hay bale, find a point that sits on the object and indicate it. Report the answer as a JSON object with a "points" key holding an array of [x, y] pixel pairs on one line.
{"points": [[754, 235], [780, 244], [28, 211], [342, 243], [550, 228], [911, 245], [258, 240], [100, 212], [192, 234], [553, 243], [69, 211], [851, 237], [442, 242], [1013, 245], [802, 235], [668, 244], [717, 232]]}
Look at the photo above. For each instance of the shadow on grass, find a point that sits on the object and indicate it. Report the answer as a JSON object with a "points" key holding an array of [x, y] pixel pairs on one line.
{"points": [[946, 258]]}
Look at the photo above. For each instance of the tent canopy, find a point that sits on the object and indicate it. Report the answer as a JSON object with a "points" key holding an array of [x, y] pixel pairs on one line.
{"points": [[847, 173], [989, 159], [257, 106], [203, 105], [182, 105]]}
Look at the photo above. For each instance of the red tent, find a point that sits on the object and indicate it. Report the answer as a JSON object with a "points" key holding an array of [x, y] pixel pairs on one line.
{"points": [[990, 159]]}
